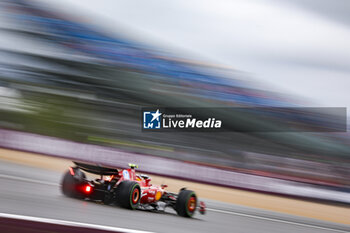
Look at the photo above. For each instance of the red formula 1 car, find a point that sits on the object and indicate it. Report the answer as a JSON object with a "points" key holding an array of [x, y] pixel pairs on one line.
{"points": [[127, 189]]}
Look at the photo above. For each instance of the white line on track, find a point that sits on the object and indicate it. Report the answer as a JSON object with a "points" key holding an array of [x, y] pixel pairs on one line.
{"points": [[28, 180], [209, 209], [70, 223], [277, 220]]}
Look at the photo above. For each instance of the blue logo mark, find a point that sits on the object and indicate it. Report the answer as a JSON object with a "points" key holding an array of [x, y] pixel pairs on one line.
{"points": [[151, 120]]}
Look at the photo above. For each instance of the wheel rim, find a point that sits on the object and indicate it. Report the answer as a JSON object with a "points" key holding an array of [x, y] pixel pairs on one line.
{"points": [[135, 196], [191, 204]]}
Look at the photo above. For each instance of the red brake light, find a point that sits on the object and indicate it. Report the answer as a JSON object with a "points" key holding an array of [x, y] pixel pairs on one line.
{"points": [[87, 188]]}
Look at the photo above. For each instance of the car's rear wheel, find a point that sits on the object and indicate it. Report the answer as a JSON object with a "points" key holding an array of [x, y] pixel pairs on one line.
{"points": [[186, 203], [71, 185], [128, 194]]}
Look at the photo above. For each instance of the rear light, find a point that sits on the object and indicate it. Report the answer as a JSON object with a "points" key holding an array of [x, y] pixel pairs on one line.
{"points": [[87, 189]]}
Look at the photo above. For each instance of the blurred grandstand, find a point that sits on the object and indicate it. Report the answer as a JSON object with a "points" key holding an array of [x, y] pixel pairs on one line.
{"points": [[67, 79]]}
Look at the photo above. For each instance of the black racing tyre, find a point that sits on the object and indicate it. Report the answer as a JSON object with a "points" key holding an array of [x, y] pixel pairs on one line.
{"points": [[71, 185], [128, 194], [186, 203]]}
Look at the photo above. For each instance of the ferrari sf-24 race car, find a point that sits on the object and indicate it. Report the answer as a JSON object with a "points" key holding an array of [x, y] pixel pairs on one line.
{"points": [[127, 189]]}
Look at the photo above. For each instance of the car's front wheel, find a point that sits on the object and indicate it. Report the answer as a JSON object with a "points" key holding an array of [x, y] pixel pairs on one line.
{"points": [[186, 203]]}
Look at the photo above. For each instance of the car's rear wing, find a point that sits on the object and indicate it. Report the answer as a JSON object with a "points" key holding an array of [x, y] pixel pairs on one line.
{"points": [[96, 169]]}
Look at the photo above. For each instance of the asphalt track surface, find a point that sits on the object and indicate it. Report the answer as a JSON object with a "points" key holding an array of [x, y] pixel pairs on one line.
{"points": [[35, 192]]}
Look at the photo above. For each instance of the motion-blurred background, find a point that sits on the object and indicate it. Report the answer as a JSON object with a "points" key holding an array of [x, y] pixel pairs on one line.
{"points": [[82, 71]]}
